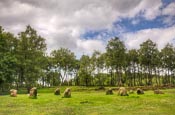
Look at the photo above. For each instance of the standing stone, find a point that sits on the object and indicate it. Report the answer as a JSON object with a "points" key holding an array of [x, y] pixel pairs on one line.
{"points": [[122, 91], [57, 91], [67, 93], [140, 91], [13, 93], [33, 93]]}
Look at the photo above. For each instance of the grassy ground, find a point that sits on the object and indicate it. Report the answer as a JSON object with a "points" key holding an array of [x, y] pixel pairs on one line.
{"points": [[89, 102]]}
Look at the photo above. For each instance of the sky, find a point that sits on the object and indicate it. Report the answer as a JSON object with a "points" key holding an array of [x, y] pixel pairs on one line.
{"points": [[87, 25]]}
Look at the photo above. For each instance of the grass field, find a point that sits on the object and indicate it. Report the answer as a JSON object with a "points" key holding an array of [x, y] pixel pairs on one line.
{"points": [[89, 102]]}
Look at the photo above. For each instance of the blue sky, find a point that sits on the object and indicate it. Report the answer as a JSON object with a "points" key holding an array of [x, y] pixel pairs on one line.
{"points": [[135, 24], [87, 25]]}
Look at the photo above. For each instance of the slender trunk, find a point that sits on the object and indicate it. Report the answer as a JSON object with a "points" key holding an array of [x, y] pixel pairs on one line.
{"points": [[53, 81], [43, 81], [86, 81], [141, 75], [111, 78], [149, 75], [134, 75], [169, 81], [156, 77], [159, 76], [21, 76], [146, 73], [118, 77], [2, 88], [17, 86]]}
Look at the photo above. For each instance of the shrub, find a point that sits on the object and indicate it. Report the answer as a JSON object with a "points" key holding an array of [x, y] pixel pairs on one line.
{"points": [[109, 92]]}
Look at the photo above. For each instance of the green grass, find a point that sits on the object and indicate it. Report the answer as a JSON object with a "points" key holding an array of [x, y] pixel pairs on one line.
{"points": [[89, 102]]}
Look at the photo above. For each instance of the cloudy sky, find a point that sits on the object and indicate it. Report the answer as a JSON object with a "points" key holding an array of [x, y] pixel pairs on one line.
{"points": [[86, 25]]}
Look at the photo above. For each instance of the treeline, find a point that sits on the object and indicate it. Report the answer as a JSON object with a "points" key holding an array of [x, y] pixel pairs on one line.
{"points": [[24, 63]]}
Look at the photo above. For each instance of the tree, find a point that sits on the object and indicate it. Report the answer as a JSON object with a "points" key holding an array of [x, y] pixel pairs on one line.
{"points": [[168, 62], [51, 77], [64, 63], [7, 58], [116, 57], [31, 50], [75, 71], [133, 62], [85, 71], [98, 62], [147, 54]]}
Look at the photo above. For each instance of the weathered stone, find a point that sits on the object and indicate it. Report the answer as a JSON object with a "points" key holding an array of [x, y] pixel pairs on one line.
{"points": [[122, 91], [140, 91], [67, 93], [57, 91], [13, 93], [33, 93]]}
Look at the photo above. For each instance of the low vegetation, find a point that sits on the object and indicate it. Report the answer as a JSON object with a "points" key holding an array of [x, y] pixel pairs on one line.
{"points": [[89, 102]]}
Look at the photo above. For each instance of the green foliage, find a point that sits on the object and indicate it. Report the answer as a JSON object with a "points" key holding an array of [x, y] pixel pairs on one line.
{"points": [[116, 59], [85, 70], [168, 57], [31, 50], [115, 53], [24, 63], [63, 62], [7, 58], [148, 52]]}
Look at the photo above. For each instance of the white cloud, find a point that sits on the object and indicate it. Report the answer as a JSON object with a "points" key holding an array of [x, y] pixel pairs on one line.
{"points": [[169, 12], [88, 46], [148, 9], [151, 9], [62, 22], [135, 22], [160, 36]]}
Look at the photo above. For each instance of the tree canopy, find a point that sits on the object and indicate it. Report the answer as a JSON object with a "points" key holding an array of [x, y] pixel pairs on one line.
{"points": [[25, 63]]}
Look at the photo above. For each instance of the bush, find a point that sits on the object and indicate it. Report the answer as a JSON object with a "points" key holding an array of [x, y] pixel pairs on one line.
{"points": [[158, 92], [109, 92]]}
